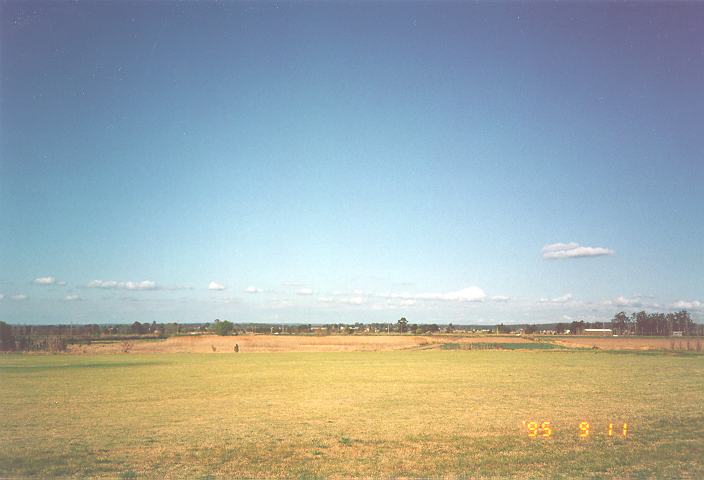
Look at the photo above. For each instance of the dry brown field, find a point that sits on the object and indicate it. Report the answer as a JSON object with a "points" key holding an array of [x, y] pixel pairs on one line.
{"points": [[627, 343], [413, 413], [286, 343]]}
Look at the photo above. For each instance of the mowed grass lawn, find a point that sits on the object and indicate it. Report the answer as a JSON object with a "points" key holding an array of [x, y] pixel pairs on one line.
{"points": [[362, 414]]}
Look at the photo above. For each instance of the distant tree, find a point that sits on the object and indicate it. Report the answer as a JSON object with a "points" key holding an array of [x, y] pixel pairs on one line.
{"points": [[223, 327], [7, 339], [139, 328], [620, 322], [684, 321], [402, 324], [643, 324], [501, 328], [576, 328]]}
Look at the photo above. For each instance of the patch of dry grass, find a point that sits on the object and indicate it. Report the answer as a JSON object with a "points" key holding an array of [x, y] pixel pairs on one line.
{"points": [[622, 343], [424, 413], [286, 343]]}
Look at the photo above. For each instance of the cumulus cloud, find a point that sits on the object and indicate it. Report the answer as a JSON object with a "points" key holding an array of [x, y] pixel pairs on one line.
{"points": [[253, 289], [305, 291], [216, 286], [469, 294], [49, 280], [500, 298], [19, 296], [622, 301], [688, 305], [562, 299], [353, 301], [356, 300], [72, 298], [112, 284], [573, 250], [407, 302], [403, 295]]}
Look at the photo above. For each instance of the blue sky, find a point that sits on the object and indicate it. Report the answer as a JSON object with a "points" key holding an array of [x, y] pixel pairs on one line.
{"points": [[350, 162]]}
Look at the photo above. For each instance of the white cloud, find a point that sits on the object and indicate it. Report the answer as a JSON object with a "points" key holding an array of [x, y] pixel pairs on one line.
{"points": [[216, 286], [305, 291], [403, 295], [573, 250], [622, 301], [688, 305], [143, 285], [253, 289], [19, 296], [72, 298], [500, 298], [469, 294], [562, 299], [112, 284], [567, 317], [45, 280], [353, 301], [407, 302], [2, 296]]}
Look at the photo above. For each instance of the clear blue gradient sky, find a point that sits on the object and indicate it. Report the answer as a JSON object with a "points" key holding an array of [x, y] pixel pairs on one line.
{"points": [[325, 162]]}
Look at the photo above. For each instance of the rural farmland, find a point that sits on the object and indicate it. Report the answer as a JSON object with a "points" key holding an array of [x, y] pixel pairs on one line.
{"points": [[401, 413], [302, 343], [351, 240]]}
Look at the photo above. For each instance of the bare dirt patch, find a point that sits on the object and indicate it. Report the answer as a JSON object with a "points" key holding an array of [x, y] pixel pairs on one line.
{"points": [[284, 343]]}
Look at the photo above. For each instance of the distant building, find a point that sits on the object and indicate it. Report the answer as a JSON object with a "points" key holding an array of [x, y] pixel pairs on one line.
{"points": [[598, 331]]}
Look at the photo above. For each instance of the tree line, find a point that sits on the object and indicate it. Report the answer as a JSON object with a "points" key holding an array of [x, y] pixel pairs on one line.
{"points": [[58, 337], [639, 323], [662, 324]]}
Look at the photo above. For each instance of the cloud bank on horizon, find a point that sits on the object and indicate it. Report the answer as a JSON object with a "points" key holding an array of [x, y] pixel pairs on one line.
{"points": [[442, 305]]}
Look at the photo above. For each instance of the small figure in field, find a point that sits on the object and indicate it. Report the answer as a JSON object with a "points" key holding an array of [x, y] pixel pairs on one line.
{"points": [[237, 348]]}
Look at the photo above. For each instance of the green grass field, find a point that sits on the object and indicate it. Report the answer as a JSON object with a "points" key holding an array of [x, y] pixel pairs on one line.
{"points": [[440, 413]]}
